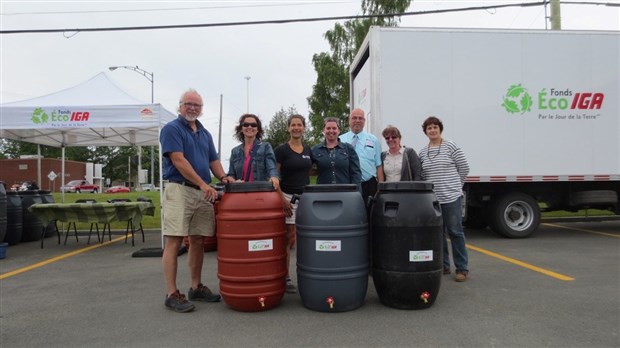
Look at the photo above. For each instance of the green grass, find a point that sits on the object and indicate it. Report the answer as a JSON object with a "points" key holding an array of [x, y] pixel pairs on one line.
{"points": [[580, 213], [148, 222]]}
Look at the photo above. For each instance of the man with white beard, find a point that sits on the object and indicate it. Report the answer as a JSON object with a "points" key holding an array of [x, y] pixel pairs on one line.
{"points": [[189, 158]]}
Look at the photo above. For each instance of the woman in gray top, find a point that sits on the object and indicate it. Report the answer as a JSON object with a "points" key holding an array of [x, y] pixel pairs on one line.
{"points": [[399, 163]]}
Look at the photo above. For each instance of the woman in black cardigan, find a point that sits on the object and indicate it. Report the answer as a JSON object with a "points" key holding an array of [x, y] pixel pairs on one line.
{"points": [[399, 163]]}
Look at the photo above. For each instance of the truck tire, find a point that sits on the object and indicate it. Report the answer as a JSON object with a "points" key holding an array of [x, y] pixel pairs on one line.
{"points": [[95, 191], [598, 197], [78, 191], [515, 215]]}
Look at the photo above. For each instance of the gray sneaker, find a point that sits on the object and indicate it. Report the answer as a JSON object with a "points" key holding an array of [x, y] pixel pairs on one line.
{"points": [[202, 293], [178, 303]]}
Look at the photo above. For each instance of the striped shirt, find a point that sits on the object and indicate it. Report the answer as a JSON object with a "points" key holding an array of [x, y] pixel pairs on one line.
{"points": [[446, 167]]}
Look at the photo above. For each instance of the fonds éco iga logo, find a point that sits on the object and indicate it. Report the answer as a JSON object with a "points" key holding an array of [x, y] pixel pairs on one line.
{"points": [[519, 100], [60, 117], [328, 245]]}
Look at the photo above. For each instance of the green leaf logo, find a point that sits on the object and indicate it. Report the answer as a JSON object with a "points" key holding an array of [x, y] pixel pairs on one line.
{"points": [[39, 116], [517, 100]]}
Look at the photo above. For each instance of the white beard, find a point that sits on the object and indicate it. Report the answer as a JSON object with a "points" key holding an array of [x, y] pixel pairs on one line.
{"points": [[189, 118]]}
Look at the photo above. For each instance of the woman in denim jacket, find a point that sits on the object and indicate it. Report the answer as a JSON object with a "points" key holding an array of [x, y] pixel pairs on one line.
{"points": [[336, 162], [252, 160]]}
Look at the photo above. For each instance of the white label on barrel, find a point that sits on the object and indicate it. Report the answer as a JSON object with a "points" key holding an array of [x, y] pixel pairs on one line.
{"points": [[328, 245], [420, 255], [260, 245]]}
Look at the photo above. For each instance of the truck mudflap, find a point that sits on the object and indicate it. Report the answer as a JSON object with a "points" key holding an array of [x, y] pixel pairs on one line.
{"points": [[514, 215]]}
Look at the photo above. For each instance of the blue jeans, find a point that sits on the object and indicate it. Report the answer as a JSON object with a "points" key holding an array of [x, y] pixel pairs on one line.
{"points": [[453, 227]]}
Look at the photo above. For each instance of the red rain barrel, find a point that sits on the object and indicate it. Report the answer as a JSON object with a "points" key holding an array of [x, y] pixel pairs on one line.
{"points": [[251, 238], [407, 244]]}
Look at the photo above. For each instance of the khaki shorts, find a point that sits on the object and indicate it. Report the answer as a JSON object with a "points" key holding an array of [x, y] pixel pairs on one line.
{"points": [[291, 220], [186, 212]]}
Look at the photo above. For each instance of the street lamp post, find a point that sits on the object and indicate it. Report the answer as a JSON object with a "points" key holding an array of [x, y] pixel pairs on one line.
{"points": [[151, 77], [248, 93]]}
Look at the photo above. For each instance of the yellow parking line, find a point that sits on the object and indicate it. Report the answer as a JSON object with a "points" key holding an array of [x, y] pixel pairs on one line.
{"points": [[583, 230], [520, 263], [58, 258]]}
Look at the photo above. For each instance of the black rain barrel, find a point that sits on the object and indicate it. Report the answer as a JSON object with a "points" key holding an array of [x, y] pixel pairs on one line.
{"points": [[2, 211], [32, 225], [47, 197], [251, 243], [14, 218], [407, 244], [332, 248]]}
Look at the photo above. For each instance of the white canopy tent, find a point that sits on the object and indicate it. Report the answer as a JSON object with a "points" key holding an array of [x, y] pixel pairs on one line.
{"points": [[94, 113]]}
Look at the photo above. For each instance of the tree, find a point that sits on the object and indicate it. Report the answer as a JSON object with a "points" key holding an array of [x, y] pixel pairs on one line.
{"points": [[16, 148], [277, 131], [330, 93]]}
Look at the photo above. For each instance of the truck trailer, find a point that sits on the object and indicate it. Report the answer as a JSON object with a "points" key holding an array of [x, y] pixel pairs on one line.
{"points": [[536, 113]]}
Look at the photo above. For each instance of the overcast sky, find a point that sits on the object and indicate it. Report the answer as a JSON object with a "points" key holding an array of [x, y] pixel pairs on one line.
{"points": [[215, 60]]}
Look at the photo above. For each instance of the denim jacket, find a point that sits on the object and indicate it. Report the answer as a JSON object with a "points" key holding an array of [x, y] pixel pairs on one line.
{"points": [[337, 166], [263, 165]]}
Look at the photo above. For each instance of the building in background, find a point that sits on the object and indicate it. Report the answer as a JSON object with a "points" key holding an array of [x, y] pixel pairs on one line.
{"points": [[18, 171]]}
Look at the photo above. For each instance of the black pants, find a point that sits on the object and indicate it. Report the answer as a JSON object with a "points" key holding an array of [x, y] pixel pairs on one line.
{"points": [[369, 188]]}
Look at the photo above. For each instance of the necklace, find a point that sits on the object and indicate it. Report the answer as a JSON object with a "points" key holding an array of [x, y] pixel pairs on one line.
{"points": [[296, 147], [428, 151]]}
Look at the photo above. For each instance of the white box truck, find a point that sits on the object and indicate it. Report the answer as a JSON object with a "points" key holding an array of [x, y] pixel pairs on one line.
{"points": [[535, 112]]}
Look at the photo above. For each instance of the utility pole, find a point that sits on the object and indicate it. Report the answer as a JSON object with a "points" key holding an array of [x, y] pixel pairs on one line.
{"points": [[556, 19]]}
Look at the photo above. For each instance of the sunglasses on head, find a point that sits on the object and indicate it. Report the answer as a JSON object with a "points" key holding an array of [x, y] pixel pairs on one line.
{"points": [[248, 124]]}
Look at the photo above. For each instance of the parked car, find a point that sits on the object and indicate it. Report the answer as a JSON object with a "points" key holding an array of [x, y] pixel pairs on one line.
{"points": [[118, 189], [149, 187], [79, 186]]}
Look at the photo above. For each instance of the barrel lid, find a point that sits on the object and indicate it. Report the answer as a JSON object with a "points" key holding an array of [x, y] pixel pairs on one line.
{"points": [[405, 186], [256, 186], [44, 192], [330, 188]]}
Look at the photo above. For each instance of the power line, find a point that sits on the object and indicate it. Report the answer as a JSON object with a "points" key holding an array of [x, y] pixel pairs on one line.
{"points": [[178, 8], [295, 20]]}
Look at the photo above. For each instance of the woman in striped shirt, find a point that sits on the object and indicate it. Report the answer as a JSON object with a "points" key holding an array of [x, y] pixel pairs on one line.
{"points": [[444, 164]]}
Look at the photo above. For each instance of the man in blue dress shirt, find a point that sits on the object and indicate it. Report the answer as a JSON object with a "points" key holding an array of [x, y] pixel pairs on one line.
{"points": [[368, 149]]}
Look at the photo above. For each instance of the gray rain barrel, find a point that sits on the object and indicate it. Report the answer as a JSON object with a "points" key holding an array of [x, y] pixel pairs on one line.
{"points": [[32, 225], [332, 248], [14, 218], [2, 211], [47, 197], [407, 237]]}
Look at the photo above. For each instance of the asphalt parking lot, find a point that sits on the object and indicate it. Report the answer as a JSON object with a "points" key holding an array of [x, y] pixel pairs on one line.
{"points": [[559, 288]]}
